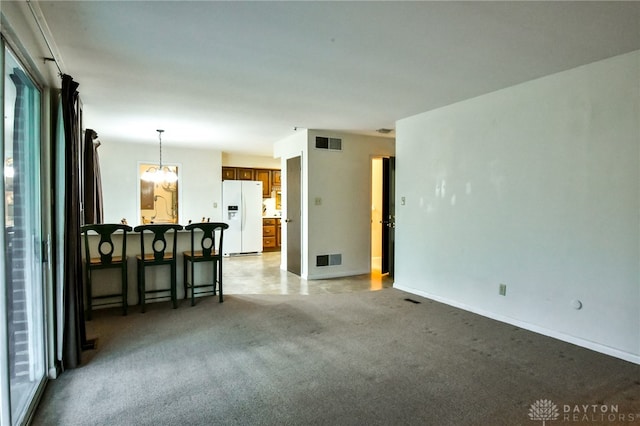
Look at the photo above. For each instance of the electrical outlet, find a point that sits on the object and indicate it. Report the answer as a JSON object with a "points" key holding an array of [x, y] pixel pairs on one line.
{"points": [[503, 290]]}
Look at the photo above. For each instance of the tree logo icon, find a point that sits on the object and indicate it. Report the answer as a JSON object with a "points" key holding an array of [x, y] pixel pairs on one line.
{"points": [[543, 409]]}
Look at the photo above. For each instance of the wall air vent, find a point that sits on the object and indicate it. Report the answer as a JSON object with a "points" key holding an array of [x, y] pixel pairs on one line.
{"points": [[331, 144], [322, 260], [329, 260]]}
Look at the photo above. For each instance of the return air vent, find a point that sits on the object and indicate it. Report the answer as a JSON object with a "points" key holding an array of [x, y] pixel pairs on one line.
{"points": [[331, 144], [329, 260]]}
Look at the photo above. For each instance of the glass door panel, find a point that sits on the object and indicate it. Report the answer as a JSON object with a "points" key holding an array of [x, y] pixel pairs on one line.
{"points": [[24, 319]]}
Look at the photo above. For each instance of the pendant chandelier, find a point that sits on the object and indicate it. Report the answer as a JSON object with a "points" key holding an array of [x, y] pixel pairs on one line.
{"points": [[161, 173]]}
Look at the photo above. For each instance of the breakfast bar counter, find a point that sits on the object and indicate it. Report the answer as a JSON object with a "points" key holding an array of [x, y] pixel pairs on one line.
{"points": [[108, 281]]}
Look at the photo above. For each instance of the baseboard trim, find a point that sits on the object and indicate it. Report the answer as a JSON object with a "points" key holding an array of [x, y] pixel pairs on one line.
{"points": [[597, 347], [341, 274]]}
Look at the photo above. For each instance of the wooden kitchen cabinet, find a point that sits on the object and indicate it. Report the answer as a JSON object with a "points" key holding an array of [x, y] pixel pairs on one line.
{"points": [[146, 195], [244, 174], [268, 243], [275, 178], [264, 175], [270, 178], [278, 234], [270, 234], [228, 173]]}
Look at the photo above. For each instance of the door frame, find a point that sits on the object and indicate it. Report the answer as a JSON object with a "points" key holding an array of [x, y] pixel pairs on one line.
{"points": [[40, 250]]}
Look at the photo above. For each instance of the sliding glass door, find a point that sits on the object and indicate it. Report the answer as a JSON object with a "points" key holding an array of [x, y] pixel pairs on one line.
{"points": [[23, 366]]}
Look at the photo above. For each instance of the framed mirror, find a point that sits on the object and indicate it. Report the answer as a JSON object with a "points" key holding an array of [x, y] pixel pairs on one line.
{"points": [[158, 194]]}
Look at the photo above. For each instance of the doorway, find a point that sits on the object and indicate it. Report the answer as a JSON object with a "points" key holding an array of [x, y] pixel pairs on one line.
{"points": [[22, 366], [382, 215]]}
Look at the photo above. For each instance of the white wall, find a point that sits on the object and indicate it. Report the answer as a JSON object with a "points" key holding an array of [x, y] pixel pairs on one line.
{"points": [[341, 182], [200, 174], [537, 187], [28, 45], [251, 161]]}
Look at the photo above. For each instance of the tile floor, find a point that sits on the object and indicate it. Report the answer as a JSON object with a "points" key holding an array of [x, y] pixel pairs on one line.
{"points": [[261, 274]]}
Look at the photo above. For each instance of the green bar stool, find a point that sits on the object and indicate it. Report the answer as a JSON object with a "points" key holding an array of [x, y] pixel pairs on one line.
{"points": [[208, 249], [157, 255], [105, 259]]}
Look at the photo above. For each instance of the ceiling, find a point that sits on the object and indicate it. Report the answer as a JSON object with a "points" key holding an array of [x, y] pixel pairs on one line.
{"points": [[239, 76]]}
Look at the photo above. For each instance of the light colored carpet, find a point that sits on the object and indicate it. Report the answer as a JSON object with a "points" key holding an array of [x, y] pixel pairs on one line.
{"points": [[337, 359]]}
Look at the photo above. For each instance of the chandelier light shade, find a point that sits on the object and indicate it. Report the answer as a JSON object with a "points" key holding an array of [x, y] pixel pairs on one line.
{"points": [[161, 173]]}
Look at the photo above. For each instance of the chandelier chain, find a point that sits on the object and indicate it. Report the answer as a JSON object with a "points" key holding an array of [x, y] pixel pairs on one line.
{"points": [[160, 138]]}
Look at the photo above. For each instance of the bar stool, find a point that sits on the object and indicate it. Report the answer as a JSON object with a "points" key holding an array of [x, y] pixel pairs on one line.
{"points": [[209, 249], [158, 255], [105, 260]]}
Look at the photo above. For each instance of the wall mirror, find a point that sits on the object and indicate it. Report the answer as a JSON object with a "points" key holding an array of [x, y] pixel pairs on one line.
{"points": [[158, 194]]}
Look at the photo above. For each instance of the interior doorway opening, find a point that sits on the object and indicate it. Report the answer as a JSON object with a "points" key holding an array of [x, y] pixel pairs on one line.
{"points": [[382, 215], [376, 216]]}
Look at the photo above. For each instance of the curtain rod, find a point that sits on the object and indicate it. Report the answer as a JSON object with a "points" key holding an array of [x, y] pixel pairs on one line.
{"points": [[40, 22]]}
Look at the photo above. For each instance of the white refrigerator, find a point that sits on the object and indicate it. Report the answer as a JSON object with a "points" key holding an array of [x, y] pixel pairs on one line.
{"points": [[242, 211]]}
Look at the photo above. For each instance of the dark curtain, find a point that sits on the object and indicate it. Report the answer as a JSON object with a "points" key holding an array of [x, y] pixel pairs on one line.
{"points": [[74, 339], [92, 179]]}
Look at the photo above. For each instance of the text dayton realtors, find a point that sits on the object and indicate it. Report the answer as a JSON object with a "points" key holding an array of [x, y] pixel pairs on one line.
{"points": [[596, 413]]}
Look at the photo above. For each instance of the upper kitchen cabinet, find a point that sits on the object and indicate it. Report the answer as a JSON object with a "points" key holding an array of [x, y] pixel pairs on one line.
{"points": [[275, 178], [229, 173], [245, 174], [270, 178], [264, 175]]}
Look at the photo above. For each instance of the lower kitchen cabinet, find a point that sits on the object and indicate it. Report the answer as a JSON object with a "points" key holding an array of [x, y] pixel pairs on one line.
{"points": [[270, 234]]}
